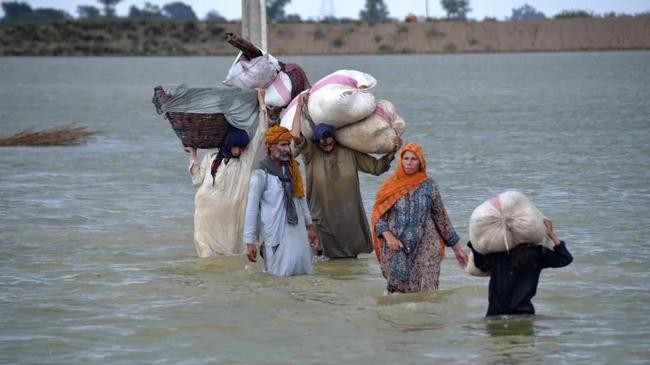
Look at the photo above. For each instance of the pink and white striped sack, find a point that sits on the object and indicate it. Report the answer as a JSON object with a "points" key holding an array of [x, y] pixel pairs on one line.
{"points": [[374, 134], [279, 92], [342, 98]]}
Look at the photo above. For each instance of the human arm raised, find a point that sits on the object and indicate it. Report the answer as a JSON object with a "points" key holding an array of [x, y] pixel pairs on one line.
{"points": [[560, 255], [197, 170]]}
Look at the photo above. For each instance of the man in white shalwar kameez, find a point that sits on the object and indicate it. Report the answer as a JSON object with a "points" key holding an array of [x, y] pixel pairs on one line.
{"points": [[277, 212]]}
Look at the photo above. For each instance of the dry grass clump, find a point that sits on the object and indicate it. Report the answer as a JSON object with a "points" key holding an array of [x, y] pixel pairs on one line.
{"points": [[65, 135]]}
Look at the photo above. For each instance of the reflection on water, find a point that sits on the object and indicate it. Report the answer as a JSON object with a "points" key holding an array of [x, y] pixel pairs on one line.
{"points": [[96, 249]]}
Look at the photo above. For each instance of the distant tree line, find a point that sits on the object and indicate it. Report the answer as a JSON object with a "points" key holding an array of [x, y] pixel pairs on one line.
{"points": [[374, 11]]}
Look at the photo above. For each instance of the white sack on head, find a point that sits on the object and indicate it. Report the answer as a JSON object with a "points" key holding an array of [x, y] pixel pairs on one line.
{"points": [[342, 98], [504, 221], [279, 92], [256, 73], [374, 134]]}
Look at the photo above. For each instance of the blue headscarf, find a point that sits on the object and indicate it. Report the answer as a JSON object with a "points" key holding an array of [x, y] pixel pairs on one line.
{"points": [[234, 138], [323, 131]]}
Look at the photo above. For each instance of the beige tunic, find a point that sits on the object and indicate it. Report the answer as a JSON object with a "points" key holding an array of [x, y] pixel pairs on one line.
{"points": [[220, 202], [334, 197]]}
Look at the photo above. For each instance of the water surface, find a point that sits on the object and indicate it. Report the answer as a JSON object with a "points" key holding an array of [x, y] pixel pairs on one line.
{"points": [[98, 263]]}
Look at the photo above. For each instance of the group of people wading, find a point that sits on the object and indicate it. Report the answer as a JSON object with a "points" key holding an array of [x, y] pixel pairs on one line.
{"points": [[287, 221]]}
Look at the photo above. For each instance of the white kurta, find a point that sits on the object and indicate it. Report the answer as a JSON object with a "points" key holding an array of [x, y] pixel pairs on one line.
{"points": [[286, 247], [220, 202]]}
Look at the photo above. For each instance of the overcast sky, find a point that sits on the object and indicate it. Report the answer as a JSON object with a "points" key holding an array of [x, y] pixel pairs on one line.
{"points": [[314, 9]]}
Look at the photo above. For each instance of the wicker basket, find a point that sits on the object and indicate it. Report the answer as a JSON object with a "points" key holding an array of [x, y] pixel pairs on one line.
{"points": [[194, 129]]}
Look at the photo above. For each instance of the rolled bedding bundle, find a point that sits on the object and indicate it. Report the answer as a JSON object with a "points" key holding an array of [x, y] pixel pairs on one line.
{"points": [[505, 221], [374, 134]]}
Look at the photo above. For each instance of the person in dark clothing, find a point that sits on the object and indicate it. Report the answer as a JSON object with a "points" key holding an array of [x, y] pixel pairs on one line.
{"points": [[514, 275]]}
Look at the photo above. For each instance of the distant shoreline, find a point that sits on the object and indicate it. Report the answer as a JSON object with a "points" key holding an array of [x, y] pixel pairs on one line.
{"points": [[166, 38]]}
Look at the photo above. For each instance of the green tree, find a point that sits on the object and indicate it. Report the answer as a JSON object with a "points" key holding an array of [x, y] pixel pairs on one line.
{"points": [[109, 7], [374, 11], [15, 11], [456, 9], [526, 12], [179, 11], [88, 12], [148, 12], [275, 9], [214, 16], [567, 14], [49, 14], [22, 12]]}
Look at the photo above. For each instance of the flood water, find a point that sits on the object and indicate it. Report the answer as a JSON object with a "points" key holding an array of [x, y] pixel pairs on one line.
{"points": [[96, 250]]}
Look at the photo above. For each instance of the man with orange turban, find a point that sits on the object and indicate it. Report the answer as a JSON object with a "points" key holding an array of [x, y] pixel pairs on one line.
{"points": [[277, 212]]}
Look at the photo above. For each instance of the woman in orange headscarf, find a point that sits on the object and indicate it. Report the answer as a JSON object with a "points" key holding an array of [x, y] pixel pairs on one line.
{"points": [[411, 227]]}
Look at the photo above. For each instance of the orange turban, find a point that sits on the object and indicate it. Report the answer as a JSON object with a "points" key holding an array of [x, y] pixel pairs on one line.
{"points": [[395, 187], [275, 135]]}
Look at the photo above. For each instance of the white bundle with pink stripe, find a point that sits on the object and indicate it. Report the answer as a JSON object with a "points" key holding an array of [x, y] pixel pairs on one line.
{"points": [[504, 221], [374, 134], [342, 98], [279, 92]]}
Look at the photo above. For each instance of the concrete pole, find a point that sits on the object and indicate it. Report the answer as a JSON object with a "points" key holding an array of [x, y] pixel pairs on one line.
{"points": [[253, 22]]}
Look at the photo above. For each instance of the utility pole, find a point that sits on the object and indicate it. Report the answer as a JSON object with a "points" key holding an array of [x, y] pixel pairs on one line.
{"points": [[427, 6], [253, 22]]}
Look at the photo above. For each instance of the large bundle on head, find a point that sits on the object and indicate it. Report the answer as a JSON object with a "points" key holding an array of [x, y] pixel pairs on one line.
{"points": [[374, 134], [258, 72], [342, 98], [338, 99], [281, 81], [253, 69], [201, 116], [504, 221]]}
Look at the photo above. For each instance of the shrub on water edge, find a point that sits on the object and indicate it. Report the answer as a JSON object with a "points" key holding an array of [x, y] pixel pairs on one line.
{"points": [[433, 32], [449, 48]]}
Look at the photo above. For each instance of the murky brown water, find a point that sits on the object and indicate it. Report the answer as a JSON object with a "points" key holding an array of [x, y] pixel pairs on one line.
{"points": [[96, 247]]}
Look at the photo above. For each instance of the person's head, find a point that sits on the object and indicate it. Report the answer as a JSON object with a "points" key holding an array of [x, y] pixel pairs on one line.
{"points": [[411, 163], [273, 112], [236, 142], [411, 160], [324, 135], [278, 144]]}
